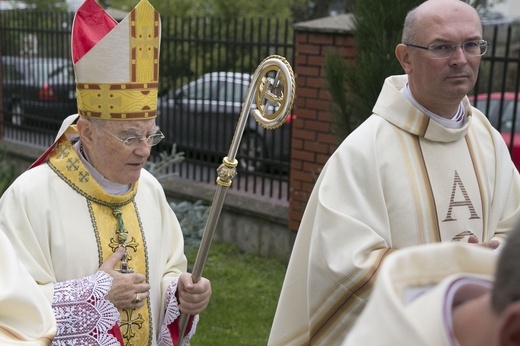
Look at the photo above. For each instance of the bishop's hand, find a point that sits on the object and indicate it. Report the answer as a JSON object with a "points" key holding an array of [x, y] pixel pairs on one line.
{"points": [[193, 297], [128, 290]]}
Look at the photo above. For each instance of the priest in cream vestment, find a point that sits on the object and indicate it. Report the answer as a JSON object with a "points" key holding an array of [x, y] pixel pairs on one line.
{"points": [[425, 167], [372, 198], [69, 217]]}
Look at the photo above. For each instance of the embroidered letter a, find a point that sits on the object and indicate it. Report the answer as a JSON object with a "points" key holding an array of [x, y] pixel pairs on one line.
{"points": [[457, 183]]}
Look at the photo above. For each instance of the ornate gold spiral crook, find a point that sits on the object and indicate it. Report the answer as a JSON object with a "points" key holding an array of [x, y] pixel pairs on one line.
{"points": [[272, 87]]}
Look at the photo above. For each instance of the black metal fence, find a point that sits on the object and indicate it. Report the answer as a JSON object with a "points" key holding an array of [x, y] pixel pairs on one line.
{"points": [[202, 126], [497, 90], [199, 118]]}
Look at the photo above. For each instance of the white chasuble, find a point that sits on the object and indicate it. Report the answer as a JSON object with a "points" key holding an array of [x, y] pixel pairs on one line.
{"points": [[25, 315], [63, 226], [416, 292], [456, 192], [400, 179], [109, 214]]}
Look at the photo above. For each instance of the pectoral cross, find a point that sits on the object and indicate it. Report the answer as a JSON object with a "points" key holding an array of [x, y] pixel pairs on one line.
{"points": [[124, 265], [122, 235]]}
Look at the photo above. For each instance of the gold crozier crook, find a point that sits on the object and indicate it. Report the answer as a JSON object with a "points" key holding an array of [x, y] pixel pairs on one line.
{"points": [[272, 87]]}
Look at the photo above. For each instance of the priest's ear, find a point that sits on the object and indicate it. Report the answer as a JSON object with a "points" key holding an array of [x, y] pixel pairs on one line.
{"points": [[509, 326], [403, 54]]}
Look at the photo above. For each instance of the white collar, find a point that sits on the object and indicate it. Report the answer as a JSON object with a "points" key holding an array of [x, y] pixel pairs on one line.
{"points": [[454, 123]]}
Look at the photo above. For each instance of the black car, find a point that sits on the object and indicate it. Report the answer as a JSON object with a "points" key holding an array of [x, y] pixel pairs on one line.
{"points": [[37, 88], [201, 117]]}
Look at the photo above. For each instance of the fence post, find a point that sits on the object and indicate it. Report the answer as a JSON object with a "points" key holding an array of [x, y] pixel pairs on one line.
{"points": [[312, 139]]}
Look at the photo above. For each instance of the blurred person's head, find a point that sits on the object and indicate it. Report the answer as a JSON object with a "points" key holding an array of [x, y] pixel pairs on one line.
{"points": [[494, 318]]}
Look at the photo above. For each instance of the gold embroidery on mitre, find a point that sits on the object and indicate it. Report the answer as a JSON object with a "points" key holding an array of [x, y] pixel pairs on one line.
{"points": [[137, 98], [144, 43], [117, 101]]}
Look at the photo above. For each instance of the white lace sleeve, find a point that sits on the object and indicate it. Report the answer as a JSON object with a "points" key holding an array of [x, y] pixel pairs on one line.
{"points": [[83, 315], [172, 312]]}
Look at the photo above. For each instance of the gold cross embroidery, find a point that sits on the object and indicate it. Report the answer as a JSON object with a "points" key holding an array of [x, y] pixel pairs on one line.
{"points": [[62, 151], [84, 177], [114, 244], [128, 323], [105, 99], [73, 164]]}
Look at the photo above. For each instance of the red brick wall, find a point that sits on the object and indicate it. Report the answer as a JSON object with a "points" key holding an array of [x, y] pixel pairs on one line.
{"points": [[312, 139]]}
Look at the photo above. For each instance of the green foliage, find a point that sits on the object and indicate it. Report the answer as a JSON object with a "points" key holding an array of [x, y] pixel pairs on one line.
{"points": [[378, 29], [40, 32], [226, 9], [336, 72], [46, 4], [166, 160], [245, 294], [192, 218]]}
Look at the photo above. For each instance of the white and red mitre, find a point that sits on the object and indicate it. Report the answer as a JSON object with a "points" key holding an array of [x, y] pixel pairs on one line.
{"points": [[116, 64]]}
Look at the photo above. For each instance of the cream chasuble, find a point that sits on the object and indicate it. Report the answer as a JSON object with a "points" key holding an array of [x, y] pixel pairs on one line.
{"points": [[25, 315], [400, 179], [413, 296], [109, 215], [63, 226], [61, 222]]}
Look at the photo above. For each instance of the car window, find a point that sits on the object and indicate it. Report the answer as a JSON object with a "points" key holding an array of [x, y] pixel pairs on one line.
{"points": [[40, 71], [482, 105], [230, 91], [492, 113], [202, 90], [507, 118], [241, 95]]}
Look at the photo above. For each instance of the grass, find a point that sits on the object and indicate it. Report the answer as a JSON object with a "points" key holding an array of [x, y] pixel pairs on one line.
{"points": [[245, 294]]}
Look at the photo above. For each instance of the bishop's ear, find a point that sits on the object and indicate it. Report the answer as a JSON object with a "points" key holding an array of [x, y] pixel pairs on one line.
{"points": [[509, 326], [85, 130]]}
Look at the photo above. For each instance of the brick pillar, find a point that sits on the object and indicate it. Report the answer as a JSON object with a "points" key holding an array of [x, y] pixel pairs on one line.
{"points": [[312, 140]]}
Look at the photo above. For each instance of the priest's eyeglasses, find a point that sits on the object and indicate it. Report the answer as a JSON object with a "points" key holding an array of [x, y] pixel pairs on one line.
{"points": [[133, 141], [445, 50]]}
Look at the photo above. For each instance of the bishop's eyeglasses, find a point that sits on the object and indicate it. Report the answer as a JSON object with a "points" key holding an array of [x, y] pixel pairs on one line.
{"points": [[445, 50], [133, 141]]}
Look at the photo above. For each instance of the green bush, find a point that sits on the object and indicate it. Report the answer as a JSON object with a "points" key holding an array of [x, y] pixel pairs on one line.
{"points": [[355, 85]]}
